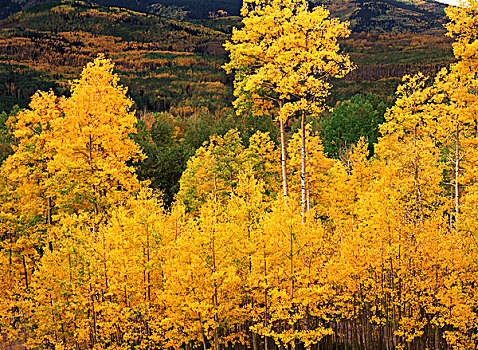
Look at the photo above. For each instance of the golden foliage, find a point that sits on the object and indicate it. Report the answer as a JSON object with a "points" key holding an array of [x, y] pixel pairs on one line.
{"points": [[386, 257]]}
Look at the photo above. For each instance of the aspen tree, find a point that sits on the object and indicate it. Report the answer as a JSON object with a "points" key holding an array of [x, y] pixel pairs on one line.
{"points": [[262, 157], [216, 165], [213, 169], [456, 101], [28, 166], [27, 204], [293, 260], [284, 56], [202, 292], [461, 86], [413, 173], [244, 214], [92, 139]]}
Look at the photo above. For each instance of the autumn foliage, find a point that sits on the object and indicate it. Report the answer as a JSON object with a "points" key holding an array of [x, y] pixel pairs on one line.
{"points": [[91, 259]]}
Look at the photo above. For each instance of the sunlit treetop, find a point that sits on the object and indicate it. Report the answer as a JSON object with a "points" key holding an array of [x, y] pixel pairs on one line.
{"points": [[285, 52]]}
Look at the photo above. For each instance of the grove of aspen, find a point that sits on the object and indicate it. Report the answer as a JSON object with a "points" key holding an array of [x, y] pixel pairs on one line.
{"points": [[270, 243]]}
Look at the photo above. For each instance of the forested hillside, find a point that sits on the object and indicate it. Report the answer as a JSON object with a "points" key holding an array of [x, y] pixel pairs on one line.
{"points": [[34, 44], [414, 15], [164, 62], [48, 43]]}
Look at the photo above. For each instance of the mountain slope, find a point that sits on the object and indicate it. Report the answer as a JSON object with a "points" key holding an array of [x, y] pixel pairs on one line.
{"points": [[176, 65], [388, 15], [165, 63], [364, 15]]}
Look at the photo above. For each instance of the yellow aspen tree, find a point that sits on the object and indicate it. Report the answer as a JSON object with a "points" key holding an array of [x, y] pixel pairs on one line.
{"points": [[410, 162], [202, 282], [73, 152], [344, 184], [349, 268], [262, 157], [228, 154], [197, 181], [92, 140], [27, 167], [66, 289], [213, 169], [187, 320], [463, 28], [456, 131], [460, 86], [409, 142], [27, 204], [286, 54], [280, 248], [293, 258], [216, 165], [137, 237]]}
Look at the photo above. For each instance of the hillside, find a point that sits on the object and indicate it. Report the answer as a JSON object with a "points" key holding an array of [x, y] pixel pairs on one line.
{"points": [[416, 16], [165, 63], [175, 65], [194, 8], [364, 15]]}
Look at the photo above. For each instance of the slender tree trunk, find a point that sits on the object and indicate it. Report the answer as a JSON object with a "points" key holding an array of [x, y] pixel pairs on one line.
{"points": [[254, 338], [308, 197], [125, 291], [203, 335], [148, 275], [255, 341], [418, 200], [215, 192], [48, 213], [49, 221], [457, 173], [92, 171], [303, 169], [10, 257], [266, 310], [216, 318], [292, 282], [104, 260], [25, 271], [283, 161], [148, 283], [53, 317], [95, 335]]}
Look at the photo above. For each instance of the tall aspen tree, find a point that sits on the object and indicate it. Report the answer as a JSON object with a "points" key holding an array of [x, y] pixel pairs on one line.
{"points": [[283, 58]]}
